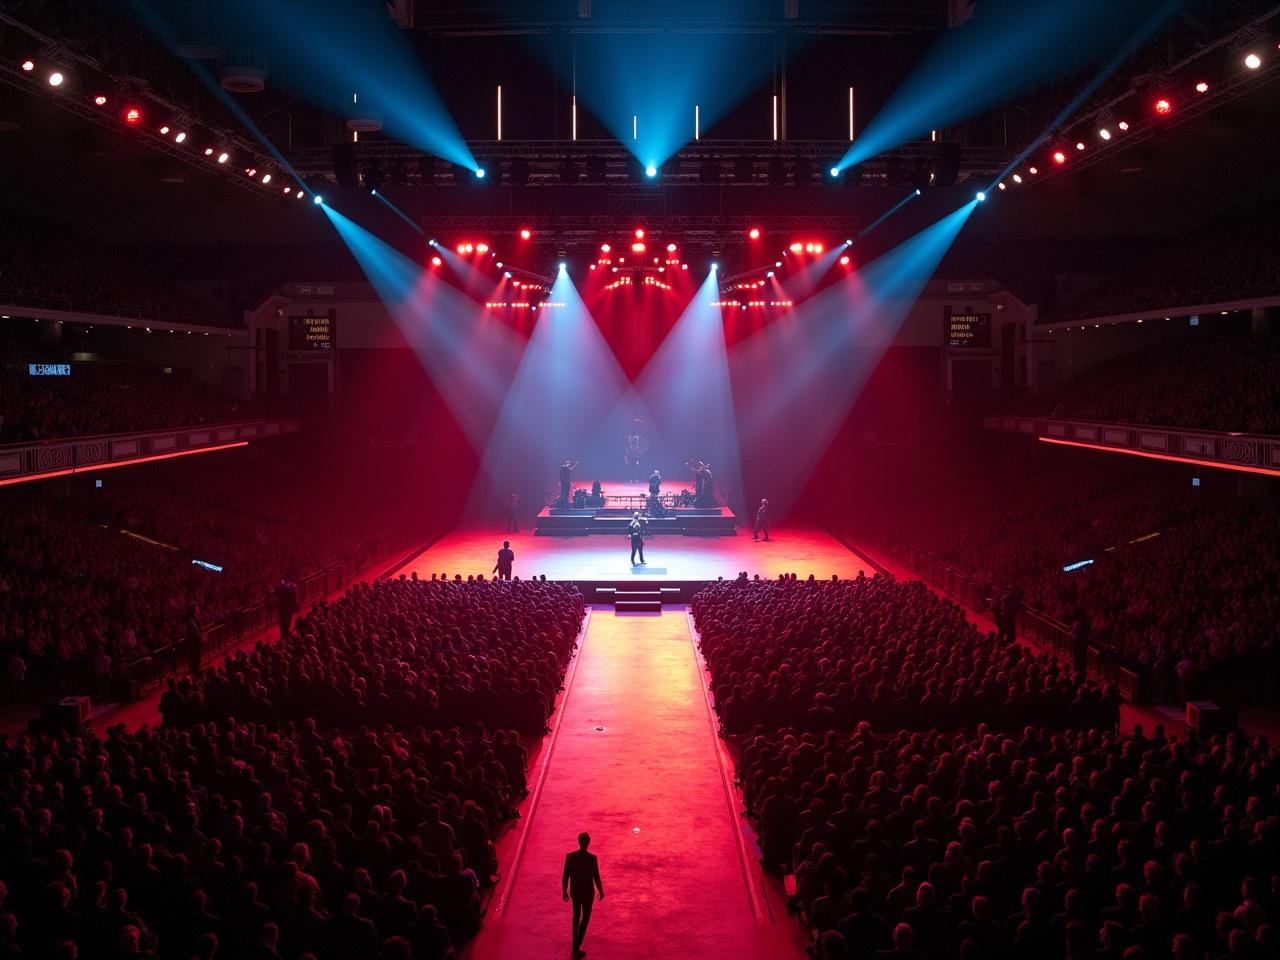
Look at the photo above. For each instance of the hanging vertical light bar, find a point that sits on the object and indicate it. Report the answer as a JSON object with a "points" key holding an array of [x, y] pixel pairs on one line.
{"points": [[775, 116], [573, 112], [851, 127], [635, 127], [697, 122], [499, 111]]}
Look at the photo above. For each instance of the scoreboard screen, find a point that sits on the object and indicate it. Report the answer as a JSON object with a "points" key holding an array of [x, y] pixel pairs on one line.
{"points": [[309, 334], [966, 330]]}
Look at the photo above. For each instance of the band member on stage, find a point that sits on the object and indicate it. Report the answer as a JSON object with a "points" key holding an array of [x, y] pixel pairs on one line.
{"points": [[655, 482], [635, 530], [762, 521], [513, 514], [634, 450], [566, 477], [708, 496]]}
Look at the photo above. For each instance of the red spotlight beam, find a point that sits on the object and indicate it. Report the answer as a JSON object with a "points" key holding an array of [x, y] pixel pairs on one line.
{"points": [[1147, 455]]}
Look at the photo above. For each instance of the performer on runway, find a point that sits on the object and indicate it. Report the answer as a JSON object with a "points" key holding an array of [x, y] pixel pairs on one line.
{"points": [[566, 477], [762, 520], [655, 482], [635, 530], [653, 506]]}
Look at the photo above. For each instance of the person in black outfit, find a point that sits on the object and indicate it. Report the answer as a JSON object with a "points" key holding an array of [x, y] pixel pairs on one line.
{"points": [[566, 477], [506, 557], [655, 482], [581, 881], [762, 521], [635, 530], [286, 597], [513, 514], [191, 638]]}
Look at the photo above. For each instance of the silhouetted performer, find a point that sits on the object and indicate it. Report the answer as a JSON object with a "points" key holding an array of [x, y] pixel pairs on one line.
{"points": [[635, 530], [566, 477], [506, 557], [581, 881], [762, 520], [191, 639], [286, 597], [633, 452], [655, 482], [513, 514], [708, 496]]}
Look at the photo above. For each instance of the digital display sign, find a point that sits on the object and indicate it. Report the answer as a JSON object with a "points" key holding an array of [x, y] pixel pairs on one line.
{"points": [[49, 369], [313, 333], [966, 330]]}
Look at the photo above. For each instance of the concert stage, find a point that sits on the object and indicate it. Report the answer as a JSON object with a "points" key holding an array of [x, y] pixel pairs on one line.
{"points": [[622, 499], [597, 561]]}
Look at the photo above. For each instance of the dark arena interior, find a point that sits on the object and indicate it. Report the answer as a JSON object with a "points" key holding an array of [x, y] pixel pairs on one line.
{"points": [[729, 480]]}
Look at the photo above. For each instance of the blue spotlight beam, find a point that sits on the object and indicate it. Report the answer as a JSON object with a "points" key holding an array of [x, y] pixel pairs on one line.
{"points": [[471, 359], [1008, 48], [887, 214], [397, 211], [795, 380]]}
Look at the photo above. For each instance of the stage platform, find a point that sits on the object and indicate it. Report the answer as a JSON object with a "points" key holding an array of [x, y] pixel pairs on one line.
{"points": [[675, 560], [622, 500]]}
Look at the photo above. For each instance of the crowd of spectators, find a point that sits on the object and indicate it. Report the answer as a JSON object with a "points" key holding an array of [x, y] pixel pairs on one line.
{"points": [[1211, 380], [100, 398], [822, 655], [246, 840], [1078, 844], [405, 651], [1140, 563], [90, 588]]}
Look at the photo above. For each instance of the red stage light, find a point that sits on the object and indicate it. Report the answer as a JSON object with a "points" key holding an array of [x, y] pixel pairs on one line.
{"points": [[797, 247], [671, 248], [1059, 157], [28, 65], [754, 233], [482, 248], [435, 261], [637, 247], [605, 248], [1202, 87], [100, 101], [639, 233], [1163, 106], [844, 261], [526, 233], [132, 115], [462, 248], [817, 248]]}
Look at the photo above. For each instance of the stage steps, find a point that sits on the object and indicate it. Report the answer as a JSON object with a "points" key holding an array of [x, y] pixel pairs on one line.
{"points": [[640, 598]]}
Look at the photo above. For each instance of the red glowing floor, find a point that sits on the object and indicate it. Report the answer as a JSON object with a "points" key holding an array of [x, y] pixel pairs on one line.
{"points": [[634, 760], [608, 558]]}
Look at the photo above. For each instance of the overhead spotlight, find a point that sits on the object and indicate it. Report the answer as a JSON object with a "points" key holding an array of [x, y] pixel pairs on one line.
{"points": [[605, 248], [1252, 61], [317, 199], [769, 274], [208, 151], [637, 247], [55, 79], [179, 137], [1032, 170], [1017, 178], [917, 191], [563, 266], [432, 242], [480, 173], [507, 275], [1104, 133], [817, 248], [436, 261], [28, 65], [754, 233], [639, 233], [526, 233], [100, 101], [844, 261], [1163, 106], [980, 196], [715, 266], [298, 195], [164, 131], [1001, 185], [1123, 124], [835, 171], [1059, 157], [1202, 87], [671, 248], [1079, 144], [482, 248], [498, 264], [796, 247], [224, 157], [651, 171], [778, 264], [373, 191], [288, 190]]}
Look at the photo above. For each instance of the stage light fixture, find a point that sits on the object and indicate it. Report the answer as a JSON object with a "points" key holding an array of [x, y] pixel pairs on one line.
{"points": [[1202, 87], [507, 275], [526, 233], [796, 247], [1032, 170], [1123, 124], [1059, 157], [778, 264], [99, 101], [164, 131], [208, 151], [288, 190], [266, 178], [1001, 185], [224, 157], [1252, 61], [317, 199], [605, 248], [482, 248], [563, 266], [55, 79], [28, 65], [180, 137], [639, 234], [480, 173], [917, 191], [754, 233], [835, 172], [1104, 133], [637, 247], [432, 242], [769, 274], [671, 248], [436, 261], [1017, 178], [498, 264], [298, 195], [1163, 106], [651, 171], [844, 261], [1079, 144], [980, 196]]}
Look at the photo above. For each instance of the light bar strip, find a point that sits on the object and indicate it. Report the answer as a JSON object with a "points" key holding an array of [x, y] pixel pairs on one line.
{"points": [[121, 463], [1237, 467]]}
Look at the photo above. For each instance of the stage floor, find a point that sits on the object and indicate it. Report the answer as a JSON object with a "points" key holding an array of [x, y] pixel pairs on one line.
{"points": [[802, 551]]}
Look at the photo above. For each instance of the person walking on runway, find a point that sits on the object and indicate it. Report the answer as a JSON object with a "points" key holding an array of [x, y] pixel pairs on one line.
{"points": [[762, 521], [635, 530], [506, 558], [580, 881]]}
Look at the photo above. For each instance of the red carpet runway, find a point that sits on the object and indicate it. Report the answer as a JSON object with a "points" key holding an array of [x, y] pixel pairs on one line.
{"points": [[635, 761], [607, 558]]}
